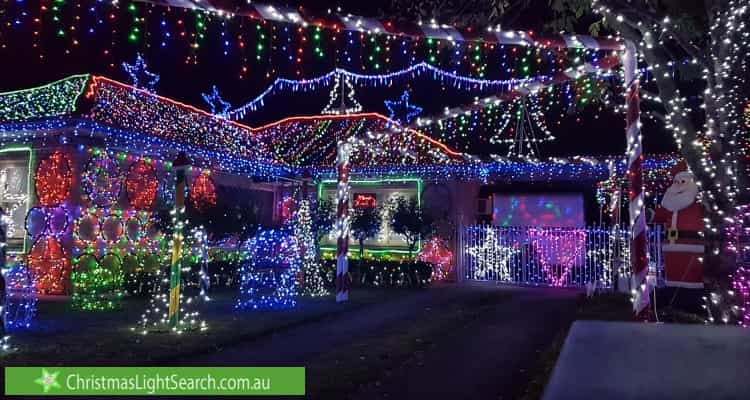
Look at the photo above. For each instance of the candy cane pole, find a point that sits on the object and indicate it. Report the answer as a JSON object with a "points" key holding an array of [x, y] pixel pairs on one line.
{"points": [[342, 222], [180, 165], [638, 244]]}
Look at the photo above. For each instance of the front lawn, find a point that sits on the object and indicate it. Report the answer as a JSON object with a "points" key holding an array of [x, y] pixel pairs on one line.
{"points": [[61, 336]]}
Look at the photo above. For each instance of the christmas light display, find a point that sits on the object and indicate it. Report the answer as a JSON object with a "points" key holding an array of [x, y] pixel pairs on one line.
{"points": [[140, 77], [337, 99], [268, 275], [375, 80], [527, 119], [436, 252], [571, 257], [401, 110], [53, 99], [199, 253], [122, 106], [141, 184], [158, 27], [97, 284], [746, 115], [53, 179], [101, 180], [542, 171], [310, 274], [50, 264], [492, 260], [342, 227], [558, 252], [218, 106], [203, 193], [21, 302], [169, 308]]}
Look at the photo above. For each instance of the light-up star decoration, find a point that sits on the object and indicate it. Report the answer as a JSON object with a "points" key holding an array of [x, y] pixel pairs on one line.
{"points": [[140, 77], [401, 110], [216, 103], [491, 259]]}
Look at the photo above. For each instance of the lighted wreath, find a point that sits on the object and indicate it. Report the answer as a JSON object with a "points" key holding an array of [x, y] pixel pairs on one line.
{"points": [[141, 185], [203, 193], [101, 180], [53, 179]]}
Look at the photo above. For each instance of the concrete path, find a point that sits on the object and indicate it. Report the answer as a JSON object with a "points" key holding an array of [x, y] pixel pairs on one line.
{"points": [[619, 360]]}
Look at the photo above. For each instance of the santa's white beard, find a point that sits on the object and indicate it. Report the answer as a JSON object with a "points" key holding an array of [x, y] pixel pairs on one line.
{"points": [[677, 198]]}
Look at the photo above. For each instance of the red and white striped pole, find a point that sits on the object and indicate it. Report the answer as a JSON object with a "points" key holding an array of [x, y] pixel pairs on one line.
{"points": [[343, 280], [638, 244]]}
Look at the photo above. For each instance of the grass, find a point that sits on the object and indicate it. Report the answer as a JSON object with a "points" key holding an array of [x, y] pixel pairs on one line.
{"points": [[61, 336]]}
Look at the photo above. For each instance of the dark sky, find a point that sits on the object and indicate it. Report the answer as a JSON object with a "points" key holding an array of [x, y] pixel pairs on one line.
{"points": [[587, 133]]}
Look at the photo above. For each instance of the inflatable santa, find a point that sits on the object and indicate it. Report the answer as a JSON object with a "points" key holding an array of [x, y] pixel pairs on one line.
{"points": [[682, 217]]}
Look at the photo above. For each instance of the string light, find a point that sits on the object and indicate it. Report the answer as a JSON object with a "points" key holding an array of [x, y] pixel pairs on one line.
{"points": [[268, 276], [140, 77], [311, 273], [203, 193], [21, 302], [141, 184], [53, 179], [101, 180], [218, 106], [50, 100], [401, 110], [337, 103], [436, 252]]}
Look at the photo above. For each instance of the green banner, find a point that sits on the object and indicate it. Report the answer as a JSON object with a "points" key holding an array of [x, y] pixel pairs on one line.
{"points": [[154, 381]]}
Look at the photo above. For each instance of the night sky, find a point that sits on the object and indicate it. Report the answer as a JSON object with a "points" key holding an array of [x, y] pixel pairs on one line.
{"points": [[589, 132]]}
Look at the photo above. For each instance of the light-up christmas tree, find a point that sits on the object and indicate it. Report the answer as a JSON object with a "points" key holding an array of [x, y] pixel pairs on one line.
{"points": [[312, 280]]}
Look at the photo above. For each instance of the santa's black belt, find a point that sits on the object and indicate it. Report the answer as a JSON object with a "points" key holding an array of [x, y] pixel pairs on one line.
{"points": [[674, 234]]}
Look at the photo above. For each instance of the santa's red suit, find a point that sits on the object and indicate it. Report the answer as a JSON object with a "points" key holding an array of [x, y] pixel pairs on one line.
{"points": [[682, 216]]}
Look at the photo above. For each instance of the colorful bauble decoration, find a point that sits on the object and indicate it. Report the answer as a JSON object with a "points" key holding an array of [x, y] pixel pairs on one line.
{"points": [[437, 253], [97, 284], [49, 263], [20, 305], [47, 221], [53, 179], [268, 276], [101, 180], [202, 193], [141, 185]]}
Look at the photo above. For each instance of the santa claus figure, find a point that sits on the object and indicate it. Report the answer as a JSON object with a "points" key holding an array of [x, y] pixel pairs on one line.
{"points": [[682, 216]]}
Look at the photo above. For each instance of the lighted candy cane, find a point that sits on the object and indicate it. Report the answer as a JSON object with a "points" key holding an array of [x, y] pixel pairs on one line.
{"points": [[342, 222], [638, 244], [180, 164]]}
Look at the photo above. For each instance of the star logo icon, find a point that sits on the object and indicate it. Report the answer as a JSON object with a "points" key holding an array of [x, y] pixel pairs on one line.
{"points": [[48, 380]]}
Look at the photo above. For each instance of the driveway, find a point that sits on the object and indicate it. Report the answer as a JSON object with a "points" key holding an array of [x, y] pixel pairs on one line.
{"points": [[482, 341]]}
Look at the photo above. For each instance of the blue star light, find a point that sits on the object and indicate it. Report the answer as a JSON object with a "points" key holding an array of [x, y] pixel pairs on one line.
{"points": [[218, 105], [140, 77], [401, 110]]}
